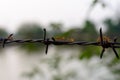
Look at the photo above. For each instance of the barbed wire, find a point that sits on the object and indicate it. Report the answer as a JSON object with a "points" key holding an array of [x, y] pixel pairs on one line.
{"points": [[103, 41]]}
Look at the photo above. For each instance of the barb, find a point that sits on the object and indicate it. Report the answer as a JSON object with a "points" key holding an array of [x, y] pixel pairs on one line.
{"points": [[46, 41], [6, 39], [103, 41], [115, 39]]}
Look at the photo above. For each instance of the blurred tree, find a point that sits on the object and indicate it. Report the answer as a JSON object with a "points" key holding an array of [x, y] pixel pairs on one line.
{"points": [[88, 52], [113, 28], [56, 29], [89, 32], [30, 31], [98, 1], [3, 33], [74, 33]]}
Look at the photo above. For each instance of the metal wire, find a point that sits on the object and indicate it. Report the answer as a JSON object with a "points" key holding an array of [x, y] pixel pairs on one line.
{"points": [[104, 43]]}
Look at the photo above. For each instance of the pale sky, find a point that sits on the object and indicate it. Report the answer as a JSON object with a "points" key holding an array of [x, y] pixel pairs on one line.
{"points": [[69, 12]]}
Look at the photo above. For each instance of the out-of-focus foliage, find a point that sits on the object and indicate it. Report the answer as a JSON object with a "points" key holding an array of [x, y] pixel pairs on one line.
{"points": [[98, 1], [88, 52], [89, 31], [3, 33], [94, 2], [56, 29], [74, 33], [30, 31], [54, 66], [113, 28]]}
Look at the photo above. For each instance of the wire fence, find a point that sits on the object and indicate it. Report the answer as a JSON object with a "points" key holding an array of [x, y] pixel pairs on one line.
{"points": [[103, 41]]}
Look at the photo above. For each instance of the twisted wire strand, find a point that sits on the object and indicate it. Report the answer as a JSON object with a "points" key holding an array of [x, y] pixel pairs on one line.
{"points": [[47, 41], [60, 42]]}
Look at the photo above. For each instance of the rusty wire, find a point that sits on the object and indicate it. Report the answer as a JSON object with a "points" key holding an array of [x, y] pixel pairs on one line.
{"points": [[104, 43]]}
